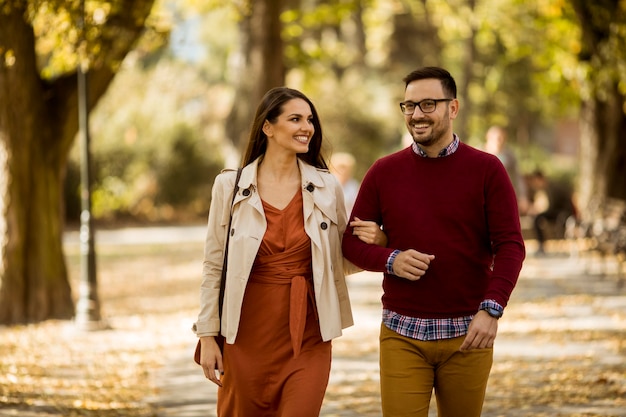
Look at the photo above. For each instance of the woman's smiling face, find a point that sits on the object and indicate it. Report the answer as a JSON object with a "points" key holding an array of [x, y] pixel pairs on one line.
{"points": [[293, 129]]}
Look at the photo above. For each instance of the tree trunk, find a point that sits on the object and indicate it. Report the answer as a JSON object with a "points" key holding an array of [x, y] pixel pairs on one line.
{"points": [[33, 273], [413, 21], [38, 123], [603, 152], [603, 119], [261, 65], [360, 37], [466, 78]]}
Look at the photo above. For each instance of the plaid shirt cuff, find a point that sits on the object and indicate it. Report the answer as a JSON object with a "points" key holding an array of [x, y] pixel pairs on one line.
{"points": [[389, 264], [491, 304]]}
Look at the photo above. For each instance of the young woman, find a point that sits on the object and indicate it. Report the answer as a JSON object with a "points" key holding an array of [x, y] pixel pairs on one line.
{"points": [[285, 294]]}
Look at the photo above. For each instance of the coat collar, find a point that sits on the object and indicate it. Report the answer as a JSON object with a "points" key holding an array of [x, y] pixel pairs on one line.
{"points": [[309, 175]]}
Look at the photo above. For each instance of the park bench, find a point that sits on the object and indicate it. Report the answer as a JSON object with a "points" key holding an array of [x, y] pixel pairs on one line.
{"points": [[603, 233]]}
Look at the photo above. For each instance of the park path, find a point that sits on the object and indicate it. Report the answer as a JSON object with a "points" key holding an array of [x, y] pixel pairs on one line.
{"points": [[184, 392]]}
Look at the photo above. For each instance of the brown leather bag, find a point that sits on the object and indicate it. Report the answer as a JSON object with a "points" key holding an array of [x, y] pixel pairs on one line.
{"points": [[219, 338]]}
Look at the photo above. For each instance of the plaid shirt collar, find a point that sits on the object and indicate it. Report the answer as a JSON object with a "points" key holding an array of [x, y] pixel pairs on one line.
{"points": [[448, 150]]}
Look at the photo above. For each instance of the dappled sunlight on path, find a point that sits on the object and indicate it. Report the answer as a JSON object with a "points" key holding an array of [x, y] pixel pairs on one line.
{"points": [[560, 351]]}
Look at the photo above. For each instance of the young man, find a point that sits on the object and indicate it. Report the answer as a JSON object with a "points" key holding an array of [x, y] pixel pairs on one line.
{"points": [[453, 256]]}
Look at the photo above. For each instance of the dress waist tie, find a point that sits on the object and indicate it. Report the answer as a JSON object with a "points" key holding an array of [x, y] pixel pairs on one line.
{"points": [[277, 269], [300, 291]]}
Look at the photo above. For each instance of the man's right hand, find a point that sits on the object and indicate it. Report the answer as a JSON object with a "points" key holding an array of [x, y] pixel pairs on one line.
{"points": [[411, 264]]}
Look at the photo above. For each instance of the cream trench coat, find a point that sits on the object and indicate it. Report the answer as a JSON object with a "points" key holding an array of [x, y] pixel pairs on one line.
{"points": [[324, 223]]}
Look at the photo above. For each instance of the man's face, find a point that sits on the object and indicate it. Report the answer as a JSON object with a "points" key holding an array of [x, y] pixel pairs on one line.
{"points": [[430, 130]]}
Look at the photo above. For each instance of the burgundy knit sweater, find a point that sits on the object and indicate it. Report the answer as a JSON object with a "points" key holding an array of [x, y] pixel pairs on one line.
{"points": [[462, 209]]}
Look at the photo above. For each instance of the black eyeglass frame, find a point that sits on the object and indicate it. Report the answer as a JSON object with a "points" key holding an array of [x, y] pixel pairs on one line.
{"points": [[419, 104]]}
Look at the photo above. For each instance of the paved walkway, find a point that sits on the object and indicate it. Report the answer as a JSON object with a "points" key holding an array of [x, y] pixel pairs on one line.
{"points": [[184, 392], [142, 235]]}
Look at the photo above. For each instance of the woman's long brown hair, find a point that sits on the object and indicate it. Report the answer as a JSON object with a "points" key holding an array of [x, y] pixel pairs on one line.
{"points": [[269, 109]]}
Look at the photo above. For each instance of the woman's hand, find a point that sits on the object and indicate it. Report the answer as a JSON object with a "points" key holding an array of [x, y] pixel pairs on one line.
{"points": [[368, 232], [211, 359]]}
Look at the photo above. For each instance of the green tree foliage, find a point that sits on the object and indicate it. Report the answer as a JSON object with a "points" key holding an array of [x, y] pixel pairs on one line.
{"points": [[153, 158], [516, 63], [174, 115]]}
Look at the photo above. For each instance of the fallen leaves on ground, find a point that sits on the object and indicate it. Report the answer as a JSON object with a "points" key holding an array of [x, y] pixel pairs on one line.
{"points": [[149, 296], [56, 369]]}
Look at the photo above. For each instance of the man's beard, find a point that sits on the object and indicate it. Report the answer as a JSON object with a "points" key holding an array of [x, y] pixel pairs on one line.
{"points": [[425, 140], [438, 130]]}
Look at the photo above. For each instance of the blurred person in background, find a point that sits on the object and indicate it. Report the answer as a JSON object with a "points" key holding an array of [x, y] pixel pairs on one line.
{"points": [[552, 205], [285, 294], [453, 256], [496, 144], [342, 166]]}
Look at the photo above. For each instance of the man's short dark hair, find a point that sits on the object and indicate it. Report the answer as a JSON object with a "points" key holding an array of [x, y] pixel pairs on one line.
{"points": [[447, 81]]}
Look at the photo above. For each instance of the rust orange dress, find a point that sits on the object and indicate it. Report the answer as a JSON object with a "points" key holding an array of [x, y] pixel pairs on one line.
{"points": [[279, 365]]}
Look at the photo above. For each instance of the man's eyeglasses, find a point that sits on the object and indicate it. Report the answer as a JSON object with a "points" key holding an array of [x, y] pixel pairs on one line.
{"points": [[426, 106]]}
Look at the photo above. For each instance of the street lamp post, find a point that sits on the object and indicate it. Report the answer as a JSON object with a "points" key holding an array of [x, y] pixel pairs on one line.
{"points": [[88, 307]]}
